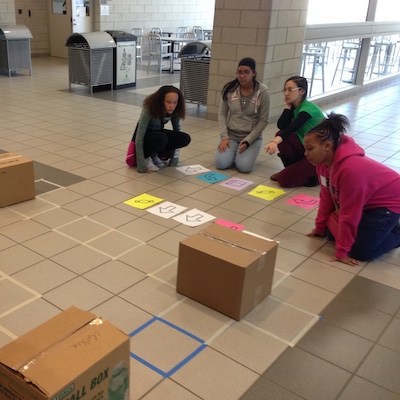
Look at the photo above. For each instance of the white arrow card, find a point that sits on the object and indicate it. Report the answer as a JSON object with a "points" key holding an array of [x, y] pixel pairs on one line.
{"points": [[194, 217], [166, 209], [192, 169]]}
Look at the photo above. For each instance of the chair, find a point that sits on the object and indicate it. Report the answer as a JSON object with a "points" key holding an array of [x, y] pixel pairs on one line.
{"points": [[348, 53], [157, 50], [314, 53], [156, 31], [138, 32], [190, 35], [198, 31], [181, 31], [381, 57]]}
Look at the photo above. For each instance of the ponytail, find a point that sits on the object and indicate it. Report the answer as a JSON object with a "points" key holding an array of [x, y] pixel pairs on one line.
{"points": [[331, 128]]}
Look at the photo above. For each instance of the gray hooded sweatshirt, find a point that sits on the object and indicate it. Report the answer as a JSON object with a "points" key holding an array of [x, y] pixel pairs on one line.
{"points": [[248, 123]]}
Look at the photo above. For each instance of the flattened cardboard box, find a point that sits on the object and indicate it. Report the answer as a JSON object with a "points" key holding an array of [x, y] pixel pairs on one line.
{"points": [[73, 356], [227, 270], [17, 181]]}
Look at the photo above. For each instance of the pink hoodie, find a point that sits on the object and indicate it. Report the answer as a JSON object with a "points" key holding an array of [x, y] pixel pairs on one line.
{"points": [[358, 183]]}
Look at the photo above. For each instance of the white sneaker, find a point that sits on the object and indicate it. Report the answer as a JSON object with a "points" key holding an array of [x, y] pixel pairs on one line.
{"points": [[157, 161], [150, 165]]}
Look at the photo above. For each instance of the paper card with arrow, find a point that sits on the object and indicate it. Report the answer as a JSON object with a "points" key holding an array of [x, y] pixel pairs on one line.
{"points": [[194, 217], [229, 224], [266, 192], [192, 169], [237, 183], [143, 201], [166, 209], [212, 177], [304, 201]]}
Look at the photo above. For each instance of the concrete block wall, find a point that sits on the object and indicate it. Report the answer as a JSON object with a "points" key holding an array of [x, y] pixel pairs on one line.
{"points": [[123, 15], [146, 14], [35, 16], [270, 31], [7, 12]]}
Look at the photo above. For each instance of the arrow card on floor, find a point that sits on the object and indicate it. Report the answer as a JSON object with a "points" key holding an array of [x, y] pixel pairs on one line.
{"points": [[192, 169], [229, 224], [194, 217], [143, 201], [212, 177], [166, 209], [266, 192], [236, 183], [304, 201]]}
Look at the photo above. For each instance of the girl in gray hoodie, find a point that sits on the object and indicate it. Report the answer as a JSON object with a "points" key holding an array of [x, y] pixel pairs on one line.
{"points": [[242, 117]]}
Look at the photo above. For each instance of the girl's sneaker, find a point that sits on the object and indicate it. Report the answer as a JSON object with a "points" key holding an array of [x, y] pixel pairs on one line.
{"points": [[157, 161], [174, 159], [150, 165]]}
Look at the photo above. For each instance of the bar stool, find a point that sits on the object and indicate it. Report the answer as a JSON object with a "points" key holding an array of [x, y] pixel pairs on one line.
{"points": [[348, 52], [138, 32], [380, 60], [314, 54]]}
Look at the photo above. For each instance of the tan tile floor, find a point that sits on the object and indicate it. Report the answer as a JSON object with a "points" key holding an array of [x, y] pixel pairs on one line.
{"points": [[328, 331]]}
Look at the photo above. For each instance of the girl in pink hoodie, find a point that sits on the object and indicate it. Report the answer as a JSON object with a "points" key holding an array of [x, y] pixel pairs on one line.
{"points": [[359, 197]]}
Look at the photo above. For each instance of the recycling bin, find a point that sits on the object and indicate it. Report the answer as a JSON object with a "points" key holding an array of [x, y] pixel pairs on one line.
{"points": [[90, 59], [195, 69], [15, 49], [124, 55]]}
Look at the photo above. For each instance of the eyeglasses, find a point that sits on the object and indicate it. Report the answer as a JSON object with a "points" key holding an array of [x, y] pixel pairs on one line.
{"points": [[291, 89], [245, 72]]}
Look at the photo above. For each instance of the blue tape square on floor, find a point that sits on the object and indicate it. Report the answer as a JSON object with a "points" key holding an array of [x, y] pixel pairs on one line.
{"points": [[167, 374]]}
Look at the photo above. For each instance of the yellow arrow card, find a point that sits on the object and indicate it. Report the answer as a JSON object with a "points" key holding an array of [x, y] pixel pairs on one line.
{"points": [[143, 201], [266, 192]]}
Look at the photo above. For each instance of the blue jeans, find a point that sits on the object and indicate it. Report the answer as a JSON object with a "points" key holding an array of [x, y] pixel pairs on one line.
{"points": [[378, 233], [244, 161]]}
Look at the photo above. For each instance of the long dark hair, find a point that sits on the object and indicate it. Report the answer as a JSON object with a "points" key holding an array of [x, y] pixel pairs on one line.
{"points": [[154, 103], [232, 85], [331, 129], [301, 82]]}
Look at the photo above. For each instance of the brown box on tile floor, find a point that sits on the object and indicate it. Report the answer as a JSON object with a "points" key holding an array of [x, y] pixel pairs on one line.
{"points": [[227, 270], [17, 182], [74, 355]]}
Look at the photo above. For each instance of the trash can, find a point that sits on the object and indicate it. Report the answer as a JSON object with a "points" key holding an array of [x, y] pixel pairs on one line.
{"points": [[124, 59], [90, 59], [195, 67], [15, 49]]}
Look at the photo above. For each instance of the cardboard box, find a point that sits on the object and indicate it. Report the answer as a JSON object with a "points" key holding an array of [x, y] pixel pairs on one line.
{"points": [[73, 356], [17, 181], [227, 270]]}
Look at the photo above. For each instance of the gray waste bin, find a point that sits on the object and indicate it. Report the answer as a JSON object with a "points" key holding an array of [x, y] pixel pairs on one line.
{"points": [[195, 67], [124, 59], [15, 49], [90, 59]]}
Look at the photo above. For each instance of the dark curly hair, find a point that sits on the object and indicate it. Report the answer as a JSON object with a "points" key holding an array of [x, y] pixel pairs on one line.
{"points": [[331, 128], [154, 103]]}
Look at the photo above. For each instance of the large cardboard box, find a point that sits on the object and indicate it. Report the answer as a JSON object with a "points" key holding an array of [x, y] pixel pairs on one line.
{"points": [[227, 270], [73, 356], [17, 181]]}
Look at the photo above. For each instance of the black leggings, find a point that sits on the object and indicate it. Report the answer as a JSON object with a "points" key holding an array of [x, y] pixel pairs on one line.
{"points": [[164, 142]]}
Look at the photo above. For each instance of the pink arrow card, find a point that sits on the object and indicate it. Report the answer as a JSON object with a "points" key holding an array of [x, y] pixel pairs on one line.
{"points": [[229, 224], [304, 201]]}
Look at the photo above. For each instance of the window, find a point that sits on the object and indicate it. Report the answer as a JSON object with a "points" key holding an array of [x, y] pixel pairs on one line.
{"points": [[388, 10], [339, 11]]}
